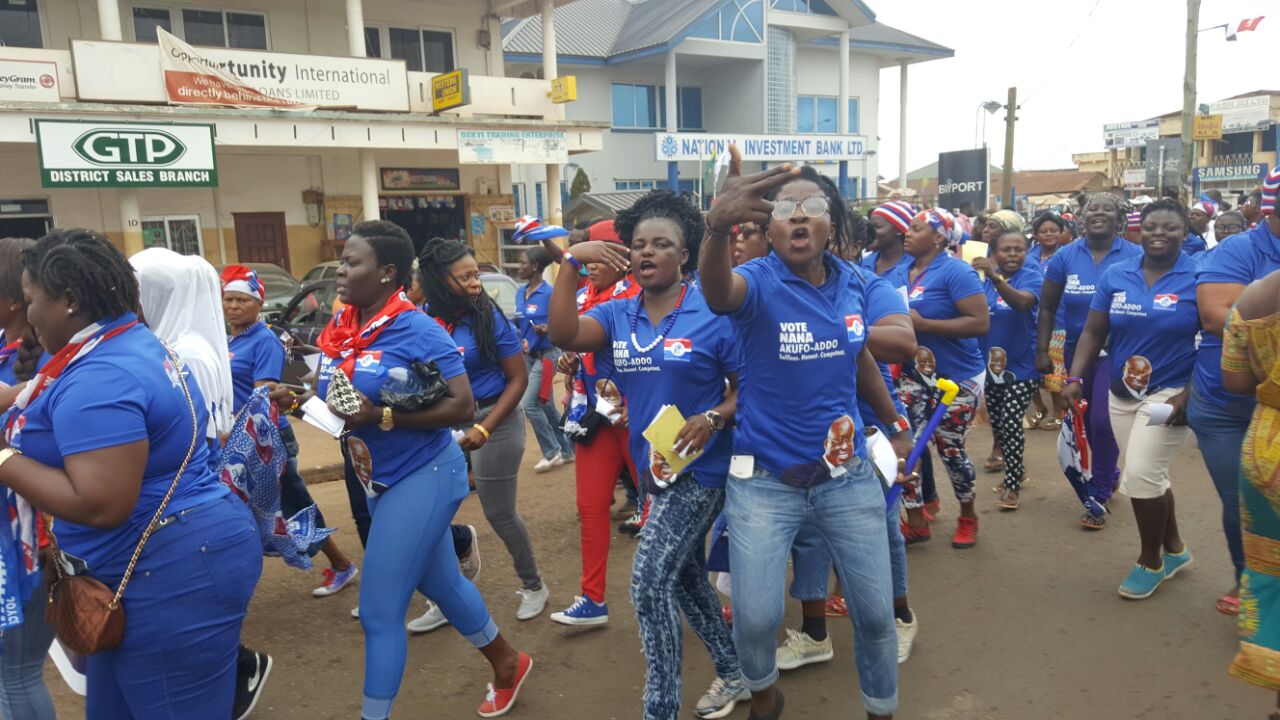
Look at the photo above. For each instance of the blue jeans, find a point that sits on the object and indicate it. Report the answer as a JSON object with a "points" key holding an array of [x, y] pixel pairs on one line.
{"points": [[410, 548], [543, 416], [811, 561], [185, 604], [23, 694], [669, 576], [848, 512], [1220, 432]]}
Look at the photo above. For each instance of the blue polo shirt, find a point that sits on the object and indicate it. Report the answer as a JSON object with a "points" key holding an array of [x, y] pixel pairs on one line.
{"points": [[536, 305], [123, 391], [934, 294], [800, 348], [1073, 268], [1012, 330], [1157, 324], [1239, 259], [487, 378], [1194, 244], [882, 301], [686, 368], [382, 458], [257, 355], [868, 263]]}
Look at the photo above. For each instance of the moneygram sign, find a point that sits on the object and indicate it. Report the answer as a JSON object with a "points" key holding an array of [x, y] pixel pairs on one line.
{"points": [[75, 154]]}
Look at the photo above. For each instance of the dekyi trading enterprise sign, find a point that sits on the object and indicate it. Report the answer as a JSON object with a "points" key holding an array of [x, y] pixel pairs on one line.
{"points": [[124, 154]]}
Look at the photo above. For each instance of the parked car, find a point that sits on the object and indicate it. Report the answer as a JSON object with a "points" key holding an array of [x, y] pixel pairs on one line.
{"points": [[323, 271], [281, 287]]}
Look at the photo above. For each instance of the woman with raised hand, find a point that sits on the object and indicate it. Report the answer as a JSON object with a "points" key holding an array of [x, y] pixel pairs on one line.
{"points": [[495, 437], [540, 357], [1144, 312], [800, 459], [667, 348], [413, 473]]}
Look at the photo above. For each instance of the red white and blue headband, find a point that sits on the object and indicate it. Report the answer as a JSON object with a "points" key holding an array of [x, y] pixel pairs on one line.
{"points": [[896, 213], [530, 229], [945, 224], [238, 278], [1270, 191]]}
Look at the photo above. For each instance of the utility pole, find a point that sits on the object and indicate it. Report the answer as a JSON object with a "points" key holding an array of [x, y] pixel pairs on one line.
{"points": [[1188, 102], [1010, 117]]}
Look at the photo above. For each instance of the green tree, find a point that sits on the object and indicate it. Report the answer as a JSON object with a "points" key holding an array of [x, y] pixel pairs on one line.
{"points": [[581, 184]]}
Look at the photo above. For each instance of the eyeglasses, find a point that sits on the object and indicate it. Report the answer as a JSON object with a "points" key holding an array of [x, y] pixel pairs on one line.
{"points": [[1225, 229], [815, 206]]}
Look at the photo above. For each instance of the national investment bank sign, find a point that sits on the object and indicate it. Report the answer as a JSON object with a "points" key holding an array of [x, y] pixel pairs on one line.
{"points": [[762, 148], [123, 154]]}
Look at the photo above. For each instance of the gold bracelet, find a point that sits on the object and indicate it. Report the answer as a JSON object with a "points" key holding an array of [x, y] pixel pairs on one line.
{"points": [[483, 432], [7, 454]]}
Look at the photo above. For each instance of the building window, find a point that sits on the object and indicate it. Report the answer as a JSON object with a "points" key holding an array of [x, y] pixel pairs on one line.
{"points": [[372, 42], [517, 193], [209, 28], [739, 21], [20, 23], [179, 233], [421, 49], [538, 190], [689, 108], [634, 106], [814, 7], [637, 184], [818, 114]]}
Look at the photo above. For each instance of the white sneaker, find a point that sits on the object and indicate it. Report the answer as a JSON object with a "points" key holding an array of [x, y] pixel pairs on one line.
{"points": [[355, 613], [561, 460], [545, 464], [470, 565], [907, 636], [532, 602], [721, 698], [430, 620], [800, 649]]}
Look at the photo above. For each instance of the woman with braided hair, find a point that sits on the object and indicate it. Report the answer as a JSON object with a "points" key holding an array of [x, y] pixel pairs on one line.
{"points": [[494, 358]]}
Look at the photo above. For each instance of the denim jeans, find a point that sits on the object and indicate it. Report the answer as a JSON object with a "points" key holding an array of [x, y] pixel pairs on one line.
{"points": [[848, 512], [496, 466], [23, 694], [543, 416], [811, 561], [670, 576], [1220, 432]]}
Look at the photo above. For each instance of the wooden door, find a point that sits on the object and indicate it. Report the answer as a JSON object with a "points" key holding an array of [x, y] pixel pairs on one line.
{"points": [[261, 238]]}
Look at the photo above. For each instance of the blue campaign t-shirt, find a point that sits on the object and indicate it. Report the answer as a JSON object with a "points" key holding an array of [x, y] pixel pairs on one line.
{"points": [[536, 305], [124, 390], [1153, 329], [1034, 261], [868, 263], [382, 458], [1013, 331], [1194, 244], [1073, 268], [687, 368], [486, 376], [257, 355], [883, 300], [934, 294], [1239, 259], [800, 348]]}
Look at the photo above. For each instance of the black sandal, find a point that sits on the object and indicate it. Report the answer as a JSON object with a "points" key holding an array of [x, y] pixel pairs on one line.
{"points": [[1094, 522]]}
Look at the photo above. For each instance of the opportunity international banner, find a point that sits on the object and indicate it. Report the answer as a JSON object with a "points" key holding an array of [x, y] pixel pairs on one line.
{"points": [[192, 79]]}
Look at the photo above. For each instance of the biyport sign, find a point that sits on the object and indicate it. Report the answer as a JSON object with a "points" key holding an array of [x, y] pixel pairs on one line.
{"points": [[124, 154]]}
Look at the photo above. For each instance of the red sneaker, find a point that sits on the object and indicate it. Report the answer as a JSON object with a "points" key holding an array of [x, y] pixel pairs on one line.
{"points": [[498, 702], [966, 533], [916, 535], [836, 606]]}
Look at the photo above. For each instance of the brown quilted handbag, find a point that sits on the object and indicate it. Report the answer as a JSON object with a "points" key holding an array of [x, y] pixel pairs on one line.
{"points": [[85, 614]]}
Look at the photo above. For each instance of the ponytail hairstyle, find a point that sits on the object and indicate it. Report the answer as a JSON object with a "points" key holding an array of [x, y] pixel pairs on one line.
{"points": [[438, 255], [24, 366]]}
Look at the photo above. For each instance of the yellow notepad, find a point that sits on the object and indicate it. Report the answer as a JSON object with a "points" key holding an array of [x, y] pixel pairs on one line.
{"points": [[661, 435]]}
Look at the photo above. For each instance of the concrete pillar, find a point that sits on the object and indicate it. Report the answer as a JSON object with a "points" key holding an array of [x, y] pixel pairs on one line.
{"points": [[109, 20], [902, 126], [554, 211], [673, 119], [355, 28], [842, 111], [130, 220], [369, 185]]}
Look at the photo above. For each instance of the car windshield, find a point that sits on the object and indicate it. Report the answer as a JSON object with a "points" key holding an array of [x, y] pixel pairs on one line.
{"points": [[503, 291], [281, 286]]}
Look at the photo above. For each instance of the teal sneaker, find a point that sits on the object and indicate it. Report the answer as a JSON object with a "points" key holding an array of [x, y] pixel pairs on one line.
{"points": [[1174, 562], [1141, 582]]}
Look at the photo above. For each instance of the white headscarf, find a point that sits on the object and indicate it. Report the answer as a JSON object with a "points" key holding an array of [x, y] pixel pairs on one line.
{"points": [[181, 298]]}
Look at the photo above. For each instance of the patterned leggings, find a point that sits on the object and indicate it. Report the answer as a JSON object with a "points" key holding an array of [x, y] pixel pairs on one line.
{"points": [[948, 439], [1006, 404]]}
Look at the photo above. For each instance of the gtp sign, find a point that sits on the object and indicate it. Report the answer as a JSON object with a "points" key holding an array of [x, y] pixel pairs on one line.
{"points": [[763, 148], [121, 154]]}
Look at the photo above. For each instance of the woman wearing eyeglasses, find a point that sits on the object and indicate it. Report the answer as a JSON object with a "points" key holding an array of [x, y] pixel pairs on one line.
{"points": [[800, 314], [949, 312]]}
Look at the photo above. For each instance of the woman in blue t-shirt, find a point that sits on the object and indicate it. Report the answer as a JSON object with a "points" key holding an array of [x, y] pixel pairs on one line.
{"points": [[1049, 232], [1144, 312], [109, 439], [800, 314], [667, 348], [539, 402], [1012, 290], [413, 473], [949, 312], [495, 366]]}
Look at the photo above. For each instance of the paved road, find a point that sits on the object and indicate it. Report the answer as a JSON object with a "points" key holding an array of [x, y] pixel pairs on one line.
{"points": [[1026, 625]]}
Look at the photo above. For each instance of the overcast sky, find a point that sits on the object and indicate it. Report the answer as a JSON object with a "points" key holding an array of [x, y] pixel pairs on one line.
{"points": [[1077, 64]]}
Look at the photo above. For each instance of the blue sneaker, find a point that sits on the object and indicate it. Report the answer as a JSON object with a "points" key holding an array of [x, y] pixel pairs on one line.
{"points": [[1141, 582], [335, 581], [583, 611], [1174, 562]]}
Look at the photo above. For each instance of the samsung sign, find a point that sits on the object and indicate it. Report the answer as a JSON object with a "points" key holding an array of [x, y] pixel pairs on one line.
{"points": [[1222, 173], [761, 148], [75, 154]]}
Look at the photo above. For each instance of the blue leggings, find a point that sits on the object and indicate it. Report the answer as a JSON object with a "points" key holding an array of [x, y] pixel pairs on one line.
{"points": [[410, 548]]}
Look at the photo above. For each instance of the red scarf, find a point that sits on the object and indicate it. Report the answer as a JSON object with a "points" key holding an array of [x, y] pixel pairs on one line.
{"points": [[90, 338], [341, 338], [624, 288]]}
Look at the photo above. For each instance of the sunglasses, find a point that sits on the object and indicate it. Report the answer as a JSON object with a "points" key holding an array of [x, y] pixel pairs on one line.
{"points": [[813, 207]]}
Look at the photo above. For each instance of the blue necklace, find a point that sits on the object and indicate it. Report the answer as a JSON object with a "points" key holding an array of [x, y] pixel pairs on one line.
{"points": [[666, 326]]}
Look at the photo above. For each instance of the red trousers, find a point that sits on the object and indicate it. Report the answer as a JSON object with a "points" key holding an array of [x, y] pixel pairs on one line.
{"points": [[597, 467]]}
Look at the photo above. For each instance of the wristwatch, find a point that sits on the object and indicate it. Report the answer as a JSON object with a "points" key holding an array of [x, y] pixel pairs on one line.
{"points": [[900, 425], [716, 420], [387, 421]]}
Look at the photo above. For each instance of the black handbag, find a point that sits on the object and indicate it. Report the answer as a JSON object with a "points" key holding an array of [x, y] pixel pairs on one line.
{"points": [[588, 427], [424, 388]]}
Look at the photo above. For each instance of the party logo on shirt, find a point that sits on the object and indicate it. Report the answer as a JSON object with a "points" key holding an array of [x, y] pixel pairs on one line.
{"points": [[916, 292], [677, 349], [530, 309], [369, 361], [853, 324], [1165, 301]]}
